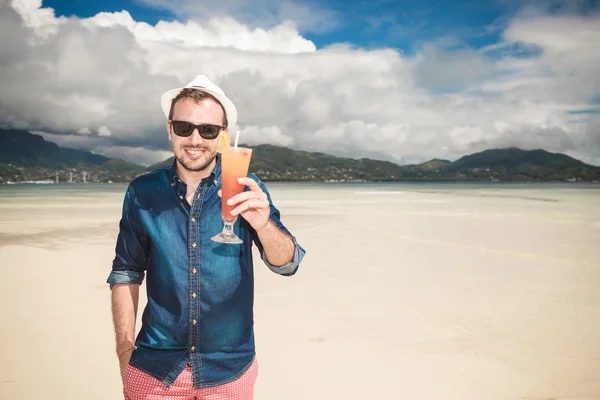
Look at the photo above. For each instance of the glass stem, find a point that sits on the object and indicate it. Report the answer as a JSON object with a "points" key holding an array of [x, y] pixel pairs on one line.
{"points": [[228, 227]]}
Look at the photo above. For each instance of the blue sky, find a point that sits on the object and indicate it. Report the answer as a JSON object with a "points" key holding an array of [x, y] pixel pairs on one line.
{"points": [[404, 25], [401, 25], [87, 8]]}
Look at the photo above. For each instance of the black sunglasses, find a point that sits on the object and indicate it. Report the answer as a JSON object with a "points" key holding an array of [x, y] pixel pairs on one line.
{"points": [[206, 131]]}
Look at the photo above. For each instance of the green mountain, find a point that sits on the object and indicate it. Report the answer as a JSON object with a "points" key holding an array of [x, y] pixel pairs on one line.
{"points": [[28, 157], [21, 147], [274, 163], [515, 164], [432, 165]]}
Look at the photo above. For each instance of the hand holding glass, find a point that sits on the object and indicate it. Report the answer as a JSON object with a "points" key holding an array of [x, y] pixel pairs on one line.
{"points": [[235, 162]]}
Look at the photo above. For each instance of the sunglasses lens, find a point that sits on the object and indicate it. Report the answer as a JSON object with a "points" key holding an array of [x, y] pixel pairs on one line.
{"points": [[182, 128], [209, 131]]}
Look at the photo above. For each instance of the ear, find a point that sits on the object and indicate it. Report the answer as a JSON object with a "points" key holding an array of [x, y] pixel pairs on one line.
{"points": [[169, 130]]}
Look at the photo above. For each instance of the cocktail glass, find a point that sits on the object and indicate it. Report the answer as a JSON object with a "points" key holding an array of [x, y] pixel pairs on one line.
{"points": [[234, 164]]}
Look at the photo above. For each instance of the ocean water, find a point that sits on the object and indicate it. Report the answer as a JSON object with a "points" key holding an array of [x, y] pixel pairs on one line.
{"points": [[21, 195], [35, 207]]}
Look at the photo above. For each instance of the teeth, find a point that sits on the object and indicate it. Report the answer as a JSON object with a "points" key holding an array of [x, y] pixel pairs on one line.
{"points": [[194, 152]]}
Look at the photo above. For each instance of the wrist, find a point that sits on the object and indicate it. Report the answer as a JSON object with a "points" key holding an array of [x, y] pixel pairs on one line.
{"points": [[266, 227], [127, 351], [123, 346]]}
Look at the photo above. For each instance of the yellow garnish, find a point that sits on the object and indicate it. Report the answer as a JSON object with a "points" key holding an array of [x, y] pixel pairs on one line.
{"points": [[223, 141]]}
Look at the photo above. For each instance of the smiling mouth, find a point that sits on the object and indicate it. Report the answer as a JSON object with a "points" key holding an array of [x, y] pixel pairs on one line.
{"points": [[194, 153]]}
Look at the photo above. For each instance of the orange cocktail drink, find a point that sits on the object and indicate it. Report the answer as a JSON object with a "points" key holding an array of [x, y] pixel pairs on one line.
{"points": [[235, 162]]}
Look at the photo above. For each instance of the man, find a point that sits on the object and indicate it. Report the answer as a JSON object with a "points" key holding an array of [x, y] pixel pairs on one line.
{"points": [[196, 340]]}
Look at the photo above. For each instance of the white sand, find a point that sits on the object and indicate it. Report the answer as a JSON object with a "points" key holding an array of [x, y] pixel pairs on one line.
{"points": [[417, 294]]}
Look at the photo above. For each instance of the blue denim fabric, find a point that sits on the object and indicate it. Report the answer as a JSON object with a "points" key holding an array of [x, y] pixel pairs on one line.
{"points": [[189, 277]]}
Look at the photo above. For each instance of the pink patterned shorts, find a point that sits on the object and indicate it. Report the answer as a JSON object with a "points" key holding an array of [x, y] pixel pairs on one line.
{"points": [[138, 385]]}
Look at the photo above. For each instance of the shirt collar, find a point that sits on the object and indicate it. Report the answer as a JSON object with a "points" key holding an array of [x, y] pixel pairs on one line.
{"points": [[213, 179]]}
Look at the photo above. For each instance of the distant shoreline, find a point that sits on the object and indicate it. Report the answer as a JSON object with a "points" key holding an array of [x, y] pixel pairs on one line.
{"points": [[575, 182]]}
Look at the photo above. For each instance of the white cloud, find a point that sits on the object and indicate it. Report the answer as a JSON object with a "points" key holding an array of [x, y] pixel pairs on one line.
{"points": [[218, 32], [105, 75], [253, 135], [41, 20], [136, 155], [567, 69], [90, 143], [102, 146], [104, 131]]}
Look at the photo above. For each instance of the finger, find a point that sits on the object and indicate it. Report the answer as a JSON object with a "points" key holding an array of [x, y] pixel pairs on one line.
{"points": [[238, 198], [251, 183], [253, 204]]}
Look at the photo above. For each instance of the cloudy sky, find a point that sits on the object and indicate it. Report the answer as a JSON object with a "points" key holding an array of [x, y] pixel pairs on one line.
{"points": [[404, 81]]}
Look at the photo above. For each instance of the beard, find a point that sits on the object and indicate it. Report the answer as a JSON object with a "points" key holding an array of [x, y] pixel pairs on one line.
{"points": [[192, 165]]}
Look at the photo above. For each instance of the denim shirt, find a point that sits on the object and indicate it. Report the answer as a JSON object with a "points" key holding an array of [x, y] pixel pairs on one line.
{"points": [[200, 293]]}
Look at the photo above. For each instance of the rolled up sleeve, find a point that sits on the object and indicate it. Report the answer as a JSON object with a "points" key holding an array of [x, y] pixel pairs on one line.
{"points": [[290, 268], [131, 250]]}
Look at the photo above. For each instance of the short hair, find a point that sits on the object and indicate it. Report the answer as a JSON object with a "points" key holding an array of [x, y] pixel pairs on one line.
{"points": [[197, 96]]}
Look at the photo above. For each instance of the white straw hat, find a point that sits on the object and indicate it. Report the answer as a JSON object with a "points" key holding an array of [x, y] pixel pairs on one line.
{"points": [[201, 82]]}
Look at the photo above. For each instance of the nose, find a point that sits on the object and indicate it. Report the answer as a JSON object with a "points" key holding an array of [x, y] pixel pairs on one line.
{"points": [[195, 137]]}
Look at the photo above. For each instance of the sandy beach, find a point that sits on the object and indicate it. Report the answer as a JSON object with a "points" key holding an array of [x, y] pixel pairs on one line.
{"points": [[454, 292]]}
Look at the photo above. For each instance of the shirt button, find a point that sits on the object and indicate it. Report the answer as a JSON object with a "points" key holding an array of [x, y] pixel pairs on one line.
{"points": [[173, 184], [194, 322], [194, 295], [193, 219], [180, 197], [194, 271], [193, 348], [193, 244]]}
